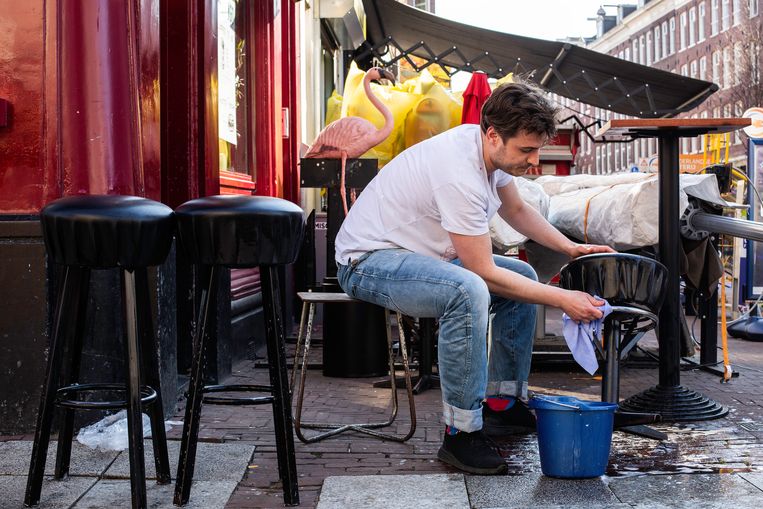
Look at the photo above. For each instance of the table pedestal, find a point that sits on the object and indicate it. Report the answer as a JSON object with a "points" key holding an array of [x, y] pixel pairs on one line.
{"points": [[668, 398]]}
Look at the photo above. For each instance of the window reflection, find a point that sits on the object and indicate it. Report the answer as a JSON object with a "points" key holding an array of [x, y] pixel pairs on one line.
{"points": [[233, 101]]}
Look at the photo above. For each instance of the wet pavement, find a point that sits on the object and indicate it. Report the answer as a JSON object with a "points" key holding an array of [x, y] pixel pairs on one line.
{"points": [[701, 464]]}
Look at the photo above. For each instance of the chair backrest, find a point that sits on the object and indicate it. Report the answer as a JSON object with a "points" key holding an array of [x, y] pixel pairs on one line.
{"points": [[621, 279]]}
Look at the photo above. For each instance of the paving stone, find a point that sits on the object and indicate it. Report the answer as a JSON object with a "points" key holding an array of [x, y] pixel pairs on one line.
{"points": [[116, 493], [214, 462], [535, 489], [756, 479], [690, 490], [394, 492], [15, 457], [54, 495]]}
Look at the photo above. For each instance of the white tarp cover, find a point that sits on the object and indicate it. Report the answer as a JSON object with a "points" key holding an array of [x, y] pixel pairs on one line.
{"points": [[622, 208], [503, 235]]}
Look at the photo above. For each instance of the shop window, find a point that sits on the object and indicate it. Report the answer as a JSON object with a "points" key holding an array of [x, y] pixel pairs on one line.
{"points": [[234, 101]]}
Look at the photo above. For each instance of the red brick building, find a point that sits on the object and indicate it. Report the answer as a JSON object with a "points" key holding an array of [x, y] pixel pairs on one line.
{"points": [[713, 40]]}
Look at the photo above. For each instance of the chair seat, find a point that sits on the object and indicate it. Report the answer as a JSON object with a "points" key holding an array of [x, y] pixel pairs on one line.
{"points": [[240, 231], [621, 279], [100, 231], [324, 297]]}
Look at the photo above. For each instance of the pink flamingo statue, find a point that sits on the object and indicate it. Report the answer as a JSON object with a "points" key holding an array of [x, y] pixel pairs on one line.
{"points": [[351, 137]]}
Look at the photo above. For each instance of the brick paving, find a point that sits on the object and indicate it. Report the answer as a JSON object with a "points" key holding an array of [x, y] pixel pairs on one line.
{"points": [[730, 445], [733, 444]]}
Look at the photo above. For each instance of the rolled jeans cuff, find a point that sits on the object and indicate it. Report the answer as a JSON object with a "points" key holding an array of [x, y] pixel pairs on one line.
{"points": [[462, 420], [507, 388]]}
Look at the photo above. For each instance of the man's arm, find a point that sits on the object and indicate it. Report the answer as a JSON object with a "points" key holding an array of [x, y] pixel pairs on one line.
{"points": [[527, 221], [475, 253]]}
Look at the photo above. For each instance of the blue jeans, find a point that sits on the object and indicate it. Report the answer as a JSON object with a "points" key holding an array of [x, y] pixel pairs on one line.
{"points": [[421, 286]]}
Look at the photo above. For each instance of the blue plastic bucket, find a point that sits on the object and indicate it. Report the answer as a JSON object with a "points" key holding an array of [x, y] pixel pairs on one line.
{"points": [[574, 436]]}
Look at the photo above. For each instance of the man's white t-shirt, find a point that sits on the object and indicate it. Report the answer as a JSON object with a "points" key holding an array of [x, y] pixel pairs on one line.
{"points": [[437, 186]]}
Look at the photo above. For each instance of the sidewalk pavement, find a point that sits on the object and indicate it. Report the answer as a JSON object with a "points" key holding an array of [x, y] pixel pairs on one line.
{"points": [[701, 464]]}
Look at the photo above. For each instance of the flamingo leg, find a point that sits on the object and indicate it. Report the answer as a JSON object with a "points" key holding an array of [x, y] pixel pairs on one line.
{"points": [[342, 188]]}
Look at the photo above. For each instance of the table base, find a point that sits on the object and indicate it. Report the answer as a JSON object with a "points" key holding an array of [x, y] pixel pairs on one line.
{"points": [[675, 404]]}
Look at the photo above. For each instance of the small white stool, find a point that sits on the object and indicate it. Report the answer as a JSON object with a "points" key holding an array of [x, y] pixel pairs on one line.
{"points": [[309, 300]]}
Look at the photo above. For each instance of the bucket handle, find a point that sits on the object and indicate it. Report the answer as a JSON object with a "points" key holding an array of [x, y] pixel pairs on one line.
{"points": [[557, 403]]}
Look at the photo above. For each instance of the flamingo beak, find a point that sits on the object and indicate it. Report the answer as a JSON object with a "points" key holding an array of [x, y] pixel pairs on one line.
{"points": [[385, 74]]}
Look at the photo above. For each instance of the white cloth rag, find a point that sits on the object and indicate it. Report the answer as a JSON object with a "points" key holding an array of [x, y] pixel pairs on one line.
{"points": [[580, 337]]}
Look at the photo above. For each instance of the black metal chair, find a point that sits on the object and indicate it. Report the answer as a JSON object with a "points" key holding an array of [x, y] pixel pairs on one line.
{"points": [[93, 232], [237, 232], [635, 287]]}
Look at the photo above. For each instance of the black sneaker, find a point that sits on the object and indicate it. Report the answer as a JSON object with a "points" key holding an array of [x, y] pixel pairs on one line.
{"points": [[472, 452], [515, 420]]}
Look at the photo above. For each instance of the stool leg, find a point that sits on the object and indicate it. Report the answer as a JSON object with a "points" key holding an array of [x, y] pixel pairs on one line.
{"points": [[298, 347], [610, 380], [150, 353], [187, 460], [134, 410], [68, 294], [279, 380], [303, 373], [72, 360]]}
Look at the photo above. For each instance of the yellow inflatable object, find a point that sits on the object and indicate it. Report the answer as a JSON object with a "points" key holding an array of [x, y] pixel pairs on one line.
{"points": [[399, 102], [333, 107], [509, 78], [428, 118], [421, 108]]}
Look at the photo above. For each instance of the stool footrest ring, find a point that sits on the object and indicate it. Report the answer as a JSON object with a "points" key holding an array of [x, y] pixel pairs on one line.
{"points": [[63, 395], [228, 400]]}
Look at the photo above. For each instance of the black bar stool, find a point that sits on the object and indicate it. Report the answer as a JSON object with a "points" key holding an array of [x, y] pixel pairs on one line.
{"points": [[95, 232], [238, 232], [635, 288]]}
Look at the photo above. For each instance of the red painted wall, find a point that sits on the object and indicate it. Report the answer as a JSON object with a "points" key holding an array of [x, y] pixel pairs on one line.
{"points": [[83, 80], [23, 172], [268, 97]]}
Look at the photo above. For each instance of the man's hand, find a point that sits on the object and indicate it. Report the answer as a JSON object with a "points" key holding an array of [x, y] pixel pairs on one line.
{"points": [[585, 249], [580, 306]]}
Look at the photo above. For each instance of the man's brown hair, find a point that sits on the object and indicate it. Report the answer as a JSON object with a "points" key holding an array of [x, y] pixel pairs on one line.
{"points": [[516, 107]]}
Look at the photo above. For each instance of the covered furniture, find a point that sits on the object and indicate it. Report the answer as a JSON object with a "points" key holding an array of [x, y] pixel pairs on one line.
{"points": [[237, 232], [309, 300], [82, 233]]}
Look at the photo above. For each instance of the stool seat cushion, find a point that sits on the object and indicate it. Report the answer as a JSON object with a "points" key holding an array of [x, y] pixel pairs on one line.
{"points": [[621, 279], [101, 231], [240, 231]]}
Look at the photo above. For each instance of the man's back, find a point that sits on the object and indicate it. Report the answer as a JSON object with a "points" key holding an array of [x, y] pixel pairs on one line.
{"points": [[437, 184]]}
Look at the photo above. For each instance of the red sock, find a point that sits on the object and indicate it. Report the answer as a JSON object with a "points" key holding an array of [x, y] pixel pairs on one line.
{"points": [[450, 430], [497, 404]]}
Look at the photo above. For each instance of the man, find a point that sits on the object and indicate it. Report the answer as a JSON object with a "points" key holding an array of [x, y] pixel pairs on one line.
{"points": [[417, 241]]}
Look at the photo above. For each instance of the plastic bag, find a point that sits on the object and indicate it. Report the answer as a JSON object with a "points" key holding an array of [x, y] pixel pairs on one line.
{"points": [[110, 433], [333, 107], [428, 118], [429, 87], [357, 104]]}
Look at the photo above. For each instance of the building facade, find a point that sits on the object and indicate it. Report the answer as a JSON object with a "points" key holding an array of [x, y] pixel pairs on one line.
{"points": [[712, 40]]}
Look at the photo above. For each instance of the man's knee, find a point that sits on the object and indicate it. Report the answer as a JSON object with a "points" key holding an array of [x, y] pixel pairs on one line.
{"points": [[472, 291]]}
